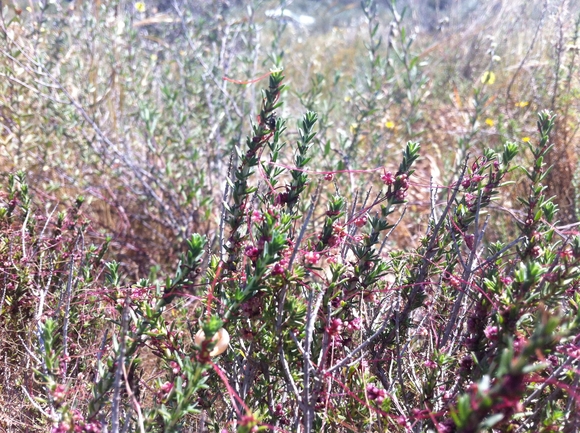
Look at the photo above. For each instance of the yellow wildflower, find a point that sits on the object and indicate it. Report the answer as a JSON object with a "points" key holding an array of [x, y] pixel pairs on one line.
{"points": [[140, 7], [526, 139], [522, 104], [347, 99], [488, 77], [353, 127], [389, 124], [489, 122]]}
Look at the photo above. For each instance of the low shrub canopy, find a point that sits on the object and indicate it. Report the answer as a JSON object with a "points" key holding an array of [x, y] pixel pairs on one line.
{"points": [[340, 275]]}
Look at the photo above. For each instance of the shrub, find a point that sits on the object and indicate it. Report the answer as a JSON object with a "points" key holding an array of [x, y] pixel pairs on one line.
{"points": [[304, 307], [329, 330]]}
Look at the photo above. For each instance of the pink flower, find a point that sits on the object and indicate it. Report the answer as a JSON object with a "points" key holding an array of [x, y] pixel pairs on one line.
{"points": [[311, 257], [281, 199], [454, 282], [174, 367], [376, 394], [491, 332], [519, 344], [403, 421], [553, 360], [62, 427], [280, 267], [354, 325], [332, 259], [334, 327], [506, 280], [573, 351], [166, 387], [388, 178], [339, 230], [400, 195], [279, 410], [59, 393], [252, 252], [93, 427], [257, 216], [361, 221], [430, 364], [403, 182]]}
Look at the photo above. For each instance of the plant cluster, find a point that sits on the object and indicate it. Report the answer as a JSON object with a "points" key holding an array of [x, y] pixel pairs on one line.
{"points": [[328, 330], [296, 304]]}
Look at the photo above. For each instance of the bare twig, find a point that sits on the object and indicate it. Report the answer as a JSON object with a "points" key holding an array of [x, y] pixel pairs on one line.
{"points": [[360, 347], [68, 295], [136, 404], [311, 315], [115, 409]]}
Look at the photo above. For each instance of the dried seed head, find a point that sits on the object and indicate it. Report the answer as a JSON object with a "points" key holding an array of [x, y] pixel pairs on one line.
{"points": [[221, 338]]}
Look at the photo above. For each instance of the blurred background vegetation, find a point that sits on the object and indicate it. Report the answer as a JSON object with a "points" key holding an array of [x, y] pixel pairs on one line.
{"points": [[124, 102]]}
